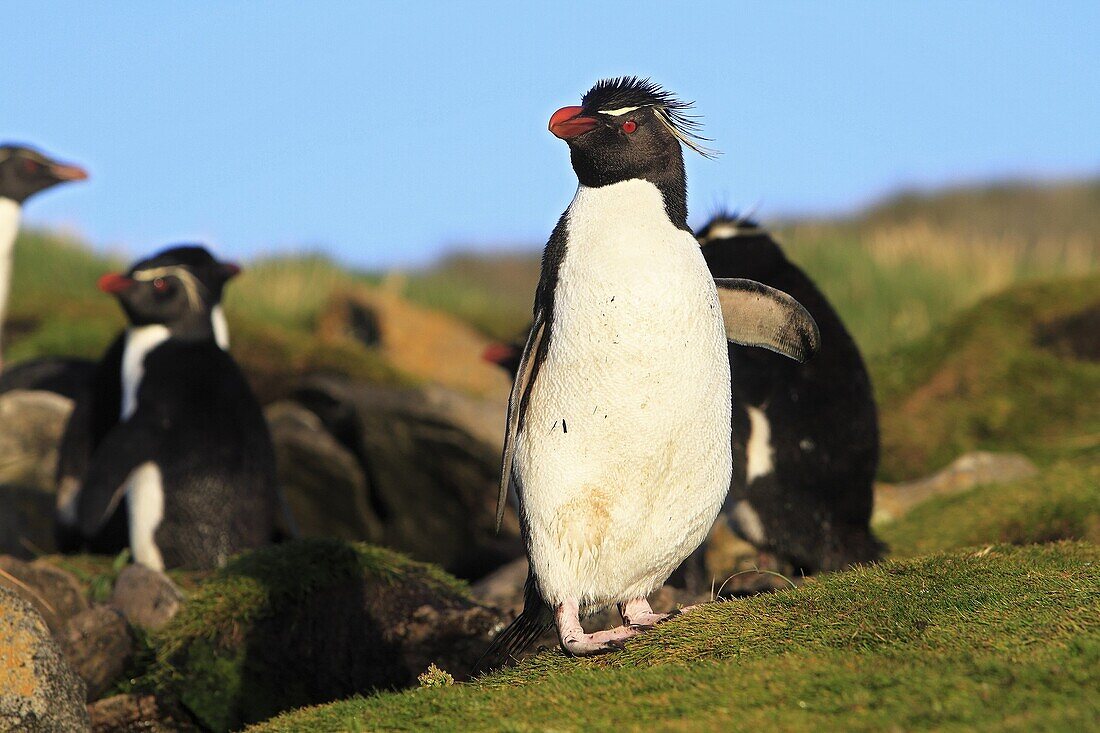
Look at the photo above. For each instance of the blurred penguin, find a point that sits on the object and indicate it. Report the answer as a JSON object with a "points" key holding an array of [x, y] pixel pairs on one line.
{"points": [[169, 453], [805, 435], [23, 172]]}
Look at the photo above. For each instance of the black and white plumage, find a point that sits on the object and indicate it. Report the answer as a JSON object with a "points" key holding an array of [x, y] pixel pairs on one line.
{"points": [[24, 172], [805, 436], [618, 428], [169, 452]]}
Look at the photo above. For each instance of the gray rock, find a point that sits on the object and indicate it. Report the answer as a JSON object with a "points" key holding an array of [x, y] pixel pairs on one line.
{"points": [[433, 483], [39, 691], [146, 597], [322, 481], [31, 423], [98, 644], [53, 592], [26, 522], [964, 473], [503, 588]]}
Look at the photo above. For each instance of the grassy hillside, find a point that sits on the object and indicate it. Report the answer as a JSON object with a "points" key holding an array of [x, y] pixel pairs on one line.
{"points": [[1012, 373], [893, 272], [998, 639]]}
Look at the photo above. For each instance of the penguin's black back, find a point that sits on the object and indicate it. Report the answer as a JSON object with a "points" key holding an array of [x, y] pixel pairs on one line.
{"points": [[216, 458], [815, 506]]}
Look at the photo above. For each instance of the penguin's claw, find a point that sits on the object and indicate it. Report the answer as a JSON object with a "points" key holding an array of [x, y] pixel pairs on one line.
{"points": [[599, 642]]}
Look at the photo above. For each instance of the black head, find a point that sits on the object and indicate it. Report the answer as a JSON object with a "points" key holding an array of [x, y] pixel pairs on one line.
{"points": [[177, 287], [25, 171], [628, 128], [736, 246]]}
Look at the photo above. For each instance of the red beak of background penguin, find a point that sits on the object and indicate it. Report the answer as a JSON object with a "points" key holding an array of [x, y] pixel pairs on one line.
{"points": [[114, 283]]}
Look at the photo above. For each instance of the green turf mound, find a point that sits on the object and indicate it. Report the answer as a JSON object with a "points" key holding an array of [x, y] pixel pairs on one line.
{"points": [[1005, 638], [1061, 503], [1004, 375]]}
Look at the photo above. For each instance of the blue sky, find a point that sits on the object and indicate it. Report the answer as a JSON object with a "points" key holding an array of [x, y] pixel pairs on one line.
{"points": [[388, 133]]}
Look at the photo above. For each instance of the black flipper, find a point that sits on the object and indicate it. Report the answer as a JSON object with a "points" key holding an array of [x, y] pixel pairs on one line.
{"points": [[756, 315], [517, 402], [532, 623], [127, 446]]}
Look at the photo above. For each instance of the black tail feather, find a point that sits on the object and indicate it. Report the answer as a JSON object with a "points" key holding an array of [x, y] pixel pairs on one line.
{"points": [[532, 622]]}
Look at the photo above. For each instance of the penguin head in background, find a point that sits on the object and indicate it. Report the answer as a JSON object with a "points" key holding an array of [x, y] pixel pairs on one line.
{"points": [[627, 128], [178, 287], [737, 246], [24, 172]]}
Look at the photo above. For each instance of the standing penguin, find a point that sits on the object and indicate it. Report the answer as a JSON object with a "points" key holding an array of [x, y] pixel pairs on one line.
{"points": [[188, 450], [618, 427], [805, 436], [23, 173], [98, 406]]}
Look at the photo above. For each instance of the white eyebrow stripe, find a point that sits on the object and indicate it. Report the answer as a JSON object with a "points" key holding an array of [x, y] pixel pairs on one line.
{"points": [[190, 283], [618, 112]]}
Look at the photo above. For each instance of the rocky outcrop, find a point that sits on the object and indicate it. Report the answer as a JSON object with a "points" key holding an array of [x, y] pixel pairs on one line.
{"points": [[323, 482], [98, 645], [53, 592], [964, 473], [39, 691], [432, 484], [31, 423], [310, 621]]}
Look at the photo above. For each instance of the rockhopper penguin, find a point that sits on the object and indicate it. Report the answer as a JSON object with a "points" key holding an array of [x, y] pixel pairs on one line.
{"points": [[98, 406], [805, 436], [23, 173], [618, 426], [171, 430]]}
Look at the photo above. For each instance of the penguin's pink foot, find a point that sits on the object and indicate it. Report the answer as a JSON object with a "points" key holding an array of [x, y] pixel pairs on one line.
{"points": [[577, 643], [638, 614]]}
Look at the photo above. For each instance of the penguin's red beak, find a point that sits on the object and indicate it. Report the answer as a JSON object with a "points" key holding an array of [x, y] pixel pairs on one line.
{"points": [[63, 172], [567, 123], [114, 283], [230, 270], [499, 354]]}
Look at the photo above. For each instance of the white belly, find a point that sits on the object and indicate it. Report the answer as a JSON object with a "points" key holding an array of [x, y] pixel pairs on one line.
{"points": [[624, 456]]}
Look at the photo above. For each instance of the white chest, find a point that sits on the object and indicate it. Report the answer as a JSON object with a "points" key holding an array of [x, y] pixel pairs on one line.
{"points": [[140, 340], [624, 456], [10, 212]]}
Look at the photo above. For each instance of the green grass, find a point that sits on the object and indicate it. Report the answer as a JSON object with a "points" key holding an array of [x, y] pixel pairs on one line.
{"points": [[1000, 639], [983, 382], [1062, 502]]}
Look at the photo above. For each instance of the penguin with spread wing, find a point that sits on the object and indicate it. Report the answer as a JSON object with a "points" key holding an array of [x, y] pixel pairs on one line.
{"points": [[618, 428]]}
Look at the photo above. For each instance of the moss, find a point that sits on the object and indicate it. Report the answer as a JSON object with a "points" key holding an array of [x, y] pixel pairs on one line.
{"points": [[999, 639], [206, 654], [985, 383], [1063, 502]]}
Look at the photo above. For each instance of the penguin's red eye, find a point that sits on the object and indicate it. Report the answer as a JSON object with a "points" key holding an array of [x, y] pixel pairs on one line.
{"points": [[630, 126], [160, 284], [30, 166]]}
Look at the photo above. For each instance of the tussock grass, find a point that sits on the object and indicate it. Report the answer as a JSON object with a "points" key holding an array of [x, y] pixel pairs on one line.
{"points": [[998, 639]]}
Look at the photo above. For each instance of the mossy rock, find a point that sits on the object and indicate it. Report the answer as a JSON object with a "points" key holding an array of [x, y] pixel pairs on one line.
{"points": [[1006, 375], [1001, 638], [308, 622]]}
